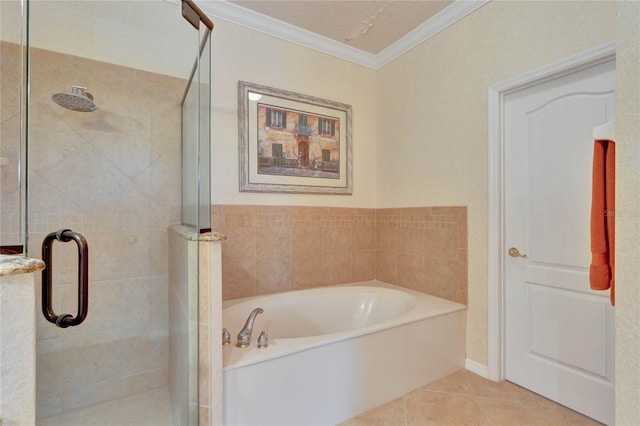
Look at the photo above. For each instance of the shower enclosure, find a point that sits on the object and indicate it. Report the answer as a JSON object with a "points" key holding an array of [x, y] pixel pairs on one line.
{"points": [[97, 97]]}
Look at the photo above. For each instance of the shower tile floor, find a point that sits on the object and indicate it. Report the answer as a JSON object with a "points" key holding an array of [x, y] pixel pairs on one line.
{"points": [[151, 408], [465, 398]]}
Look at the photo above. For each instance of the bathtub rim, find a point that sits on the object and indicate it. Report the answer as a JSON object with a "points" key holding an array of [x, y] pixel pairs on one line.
{"points": [[284, 347]]}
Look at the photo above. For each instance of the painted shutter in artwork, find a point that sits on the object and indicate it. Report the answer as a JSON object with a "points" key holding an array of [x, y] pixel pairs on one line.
{"points": [[268, 119], [284, 119], [333, 128]]}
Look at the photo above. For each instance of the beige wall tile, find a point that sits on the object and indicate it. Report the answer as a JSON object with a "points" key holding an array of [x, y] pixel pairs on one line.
{"points": [[273, 274], [148, 380], [91, 358], [273, 241], [144, 351], [238, 277], [72, 399], [422, 248], [364, 237], [371, 213], [307, 270], [204, 293], [387, 266], [342, 211], [305, 238], [363, 265], [336, 238], [441, 243], [446, 211], [337, 267], [313, 210], [278, 210], [204, 363], [417, 211], [462, 229], [203, 415], [389, 212], [241, 210], [240, 243], [411, 271], [410, 241], [441, 278], [386, 238]]}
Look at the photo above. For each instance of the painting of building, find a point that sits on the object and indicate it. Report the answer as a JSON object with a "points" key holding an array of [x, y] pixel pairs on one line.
{"points": [[297, 143]]}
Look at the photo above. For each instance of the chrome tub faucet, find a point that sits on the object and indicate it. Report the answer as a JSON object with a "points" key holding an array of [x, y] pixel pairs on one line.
{"points": [[244, 337]]}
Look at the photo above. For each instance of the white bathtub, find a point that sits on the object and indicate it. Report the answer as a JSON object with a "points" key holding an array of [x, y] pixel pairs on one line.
{"points": [[336, 351]]}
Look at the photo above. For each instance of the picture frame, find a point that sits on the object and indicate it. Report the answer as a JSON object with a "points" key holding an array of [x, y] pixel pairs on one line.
{"points": [[293, 143]]}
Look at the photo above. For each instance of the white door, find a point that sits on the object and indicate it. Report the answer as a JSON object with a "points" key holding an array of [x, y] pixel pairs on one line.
{"points": [[559, 333]]}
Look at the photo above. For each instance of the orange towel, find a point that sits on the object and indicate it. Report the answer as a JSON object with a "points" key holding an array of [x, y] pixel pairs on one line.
{"points": [[601, 271]]}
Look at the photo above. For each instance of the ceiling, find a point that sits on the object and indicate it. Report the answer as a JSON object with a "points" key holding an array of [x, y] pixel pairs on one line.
{"points": [[385, 22], [368, 32]]}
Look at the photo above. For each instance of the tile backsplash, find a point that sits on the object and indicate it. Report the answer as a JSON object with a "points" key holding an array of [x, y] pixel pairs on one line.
{"points": [[271, 249], [424, 249]]}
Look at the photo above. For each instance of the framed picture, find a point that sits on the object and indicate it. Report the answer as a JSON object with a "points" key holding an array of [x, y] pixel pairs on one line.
{"points": [[293, 143]]}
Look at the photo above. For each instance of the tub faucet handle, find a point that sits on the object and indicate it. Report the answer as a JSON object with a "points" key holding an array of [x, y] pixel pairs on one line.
{"points": [[226, 337], [244, 337], [263, 340]]}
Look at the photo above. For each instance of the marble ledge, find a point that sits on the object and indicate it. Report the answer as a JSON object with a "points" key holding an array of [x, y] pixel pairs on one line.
{"points": [[191, 235], [16, 265]]}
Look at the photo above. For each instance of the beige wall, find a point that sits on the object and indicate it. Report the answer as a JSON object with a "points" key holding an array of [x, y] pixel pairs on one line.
{"points": [[628, 219], [242, 54], [432, 143]]}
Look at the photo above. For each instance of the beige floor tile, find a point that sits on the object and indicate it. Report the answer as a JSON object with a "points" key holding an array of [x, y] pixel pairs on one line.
{"points": [[389, 414], [433, 408], [466, 399]]}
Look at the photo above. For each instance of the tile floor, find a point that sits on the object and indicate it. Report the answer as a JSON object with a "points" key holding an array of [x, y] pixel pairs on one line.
{"points": [[462, 398], [151, 408], [465, 398]]}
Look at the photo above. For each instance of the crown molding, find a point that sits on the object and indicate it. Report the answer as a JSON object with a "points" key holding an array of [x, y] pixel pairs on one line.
{"points": [[233, 13]]}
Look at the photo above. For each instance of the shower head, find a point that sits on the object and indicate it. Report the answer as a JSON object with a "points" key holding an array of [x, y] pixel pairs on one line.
{"points": [[76, 100]]}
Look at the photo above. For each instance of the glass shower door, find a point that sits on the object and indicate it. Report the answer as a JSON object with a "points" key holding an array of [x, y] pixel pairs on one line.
{"points": [[112, 174]]}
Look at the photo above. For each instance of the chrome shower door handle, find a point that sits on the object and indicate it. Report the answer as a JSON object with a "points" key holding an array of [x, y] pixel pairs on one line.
{"points": [[65, 320]]}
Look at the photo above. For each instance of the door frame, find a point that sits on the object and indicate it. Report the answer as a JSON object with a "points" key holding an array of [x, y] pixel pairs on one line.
{"points": [[496, 349]]}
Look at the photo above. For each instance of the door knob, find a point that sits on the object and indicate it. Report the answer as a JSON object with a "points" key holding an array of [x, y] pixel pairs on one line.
{"points": [[514, 252]]}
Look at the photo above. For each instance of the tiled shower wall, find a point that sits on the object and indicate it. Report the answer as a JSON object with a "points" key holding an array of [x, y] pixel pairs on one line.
{"points": [[114, 176], [272, 249]]}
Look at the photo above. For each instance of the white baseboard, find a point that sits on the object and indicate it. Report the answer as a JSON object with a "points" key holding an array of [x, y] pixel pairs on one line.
{"points": [[477, 368]]}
